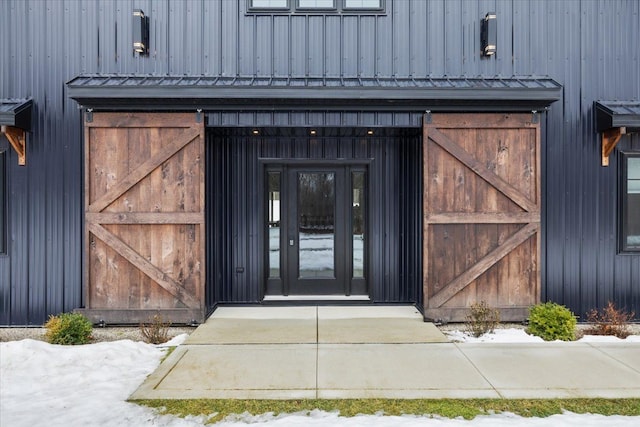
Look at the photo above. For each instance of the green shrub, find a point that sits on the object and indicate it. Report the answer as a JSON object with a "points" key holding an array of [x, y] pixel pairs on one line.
{"points": [[551, 321], [482, 319], [68, 329]]}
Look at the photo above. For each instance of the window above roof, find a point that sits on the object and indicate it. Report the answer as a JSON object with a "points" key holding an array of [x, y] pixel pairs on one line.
{"points": [[311, 6]]}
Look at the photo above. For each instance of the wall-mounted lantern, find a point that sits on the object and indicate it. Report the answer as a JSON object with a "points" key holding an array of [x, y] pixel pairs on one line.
{"points": [[140, 32], [489, 34]]}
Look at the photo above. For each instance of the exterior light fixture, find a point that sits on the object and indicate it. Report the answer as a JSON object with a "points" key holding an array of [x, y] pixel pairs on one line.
{"points": [[489, 34], [313, 132], [369, 131], [255, 132], [140, 33]]}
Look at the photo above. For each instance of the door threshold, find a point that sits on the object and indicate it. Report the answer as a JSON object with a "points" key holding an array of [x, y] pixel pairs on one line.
{"points": [[317, 298]]}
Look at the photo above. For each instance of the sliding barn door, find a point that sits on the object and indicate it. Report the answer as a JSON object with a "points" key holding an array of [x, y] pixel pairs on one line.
{"points": [[144, 216], [482, 213]]}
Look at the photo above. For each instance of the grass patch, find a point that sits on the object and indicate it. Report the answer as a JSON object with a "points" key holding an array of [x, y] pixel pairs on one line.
{"points": [[449, 408], [168, 353]]}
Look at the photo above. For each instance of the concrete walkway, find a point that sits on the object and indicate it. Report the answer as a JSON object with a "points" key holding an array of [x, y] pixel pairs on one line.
{"points": [[377, 352]]}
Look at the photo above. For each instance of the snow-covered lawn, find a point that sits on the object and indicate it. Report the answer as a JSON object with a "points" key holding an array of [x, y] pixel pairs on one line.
{"points": [[513, 335], [50, 385]]}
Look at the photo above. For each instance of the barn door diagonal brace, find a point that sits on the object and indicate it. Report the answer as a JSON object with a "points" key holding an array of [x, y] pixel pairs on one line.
{"points": [[143, 170], [154, 273], [18, 139], [468, 160], [464, 279]]}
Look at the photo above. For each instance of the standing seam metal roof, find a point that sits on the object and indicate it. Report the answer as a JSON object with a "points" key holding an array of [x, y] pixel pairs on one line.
{"points": [[16, 112], [117, 80], [617, 114], [384, 93]]}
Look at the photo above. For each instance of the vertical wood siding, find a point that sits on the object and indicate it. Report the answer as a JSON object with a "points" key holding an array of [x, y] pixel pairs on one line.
{"points": [[590, 47]]}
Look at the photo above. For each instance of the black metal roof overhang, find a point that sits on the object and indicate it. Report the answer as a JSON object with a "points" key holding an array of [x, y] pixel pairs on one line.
{"points": [[16, 113], [616, 114], [176, 93]]}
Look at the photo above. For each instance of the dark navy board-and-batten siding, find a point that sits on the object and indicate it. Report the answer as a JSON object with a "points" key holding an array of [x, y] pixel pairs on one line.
{"points": [[589, 47]]}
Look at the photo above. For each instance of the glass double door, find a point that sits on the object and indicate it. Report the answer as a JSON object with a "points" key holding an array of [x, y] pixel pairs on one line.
{"points": [[316, 230]]}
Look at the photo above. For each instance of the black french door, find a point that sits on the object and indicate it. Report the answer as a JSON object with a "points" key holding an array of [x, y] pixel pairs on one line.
{"points": [[315, 230]]}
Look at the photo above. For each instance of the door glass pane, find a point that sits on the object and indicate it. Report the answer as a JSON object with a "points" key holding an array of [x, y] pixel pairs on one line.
{"points": [[633, 203], [358, 222], [316, 225], [273, 223]]}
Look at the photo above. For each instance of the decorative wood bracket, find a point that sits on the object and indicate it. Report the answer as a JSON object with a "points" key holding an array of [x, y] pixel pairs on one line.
{"points": [[610, 138], [18, 139]]}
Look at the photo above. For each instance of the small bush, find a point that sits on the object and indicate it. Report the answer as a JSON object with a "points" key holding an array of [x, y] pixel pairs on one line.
{"points": [[482, 319], [68, 329], [609, 321], [551, 321], [156, 331]]}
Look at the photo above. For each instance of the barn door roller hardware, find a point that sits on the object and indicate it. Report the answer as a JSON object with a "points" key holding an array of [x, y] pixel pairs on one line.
{"points": [[15, 121], [535, 117], [614, 119]]}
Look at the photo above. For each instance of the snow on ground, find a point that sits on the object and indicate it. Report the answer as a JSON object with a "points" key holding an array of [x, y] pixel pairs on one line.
{"points": [[604, 338], [513, 335], [50, 385], [498, 336]]}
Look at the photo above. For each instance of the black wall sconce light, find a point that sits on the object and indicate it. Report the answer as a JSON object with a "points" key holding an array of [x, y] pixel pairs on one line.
{"points": [[140, 32], [489, 34]]}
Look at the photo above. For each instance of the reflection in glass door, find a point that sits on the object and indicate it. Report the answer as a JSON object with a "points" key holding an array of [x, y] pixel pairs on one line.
{"points": [[273, 223], [358, 209], [316, 231], [316, 224]]}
